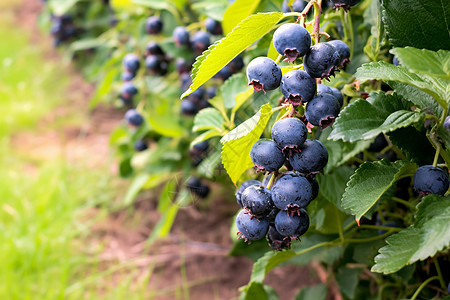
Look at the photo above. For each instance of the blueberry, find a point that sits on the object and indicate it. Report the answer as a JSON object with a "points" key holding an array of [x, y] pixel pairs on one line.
{"points": [[189, 107], [315, 186], [291, 40], [446, 124], [395, 61], [153, 49], [321, 60], [181, 36], [186, 81], [276, 240], [378, 144], [183, 66], [289, 133], [153, 25], [322, 110], [127, 76], [196, 187], [211, 92], [250, 227], [156, 65], [197, 95], [430, 180], [292, 191], [243, 186], [140, 145], [298, 87], [223, 74], [213, 26], [297, 6], [236, 64], [129, 90], [343, 50], [134, 118], [200, 42], [131, 63], [311, 159], [292, 226], [267, 155], [338, 95], [258, 200], [264, 74], [324, 89]]}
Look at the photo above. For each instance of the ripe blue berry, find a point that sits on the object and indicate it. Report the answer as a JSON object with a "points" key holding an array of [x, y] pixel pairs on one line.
{"points": [[243, 186], [129, 90], [343, 50], [236, 64], [291, 192], [153, 25], [197, 95], [140, 145], [134, 118], [264, 74], [258, 200], [276, 240], [189, 107], [430, 180], [267, 156], [211, 92], [131, 63], [200, 42], [213, 26], [298, 87], [324, 89], [312, 158], [197, 188], [446, 124], [182, 65], [181, 36], [289, 133], [127, 76], [321, 60], [250, 227], [291, 40], [315, 186], [297, 6], [223, 74], [395, 61], [322, 110], [292, 226], [156, 65], [153, 49]]}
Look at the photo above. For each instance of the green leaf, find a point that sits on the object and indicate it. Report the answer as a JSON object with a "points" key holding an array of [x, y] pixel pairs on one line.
{"points": [[327, 255], [315, 292], [348, 280], [209, 164], [238, 143], [269, 261], [332, 186], [208, 118], [205, 136], [242, 98], [429, 234], [223, 51], [134, 189], [424, 61], [370, 181], [326, 217], [414, 144], [254, 290], [383, 71], [155, 4], [365, 119], [60, 8], [104, 87], [417, 23], [234, 86], [416, 96], [236, 12], [162, 120], [213, 9]]}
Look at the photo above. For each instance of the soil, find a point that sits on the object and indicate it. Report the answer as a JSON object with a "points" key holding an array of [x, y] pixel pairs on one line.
{"points": [[194, 258]]}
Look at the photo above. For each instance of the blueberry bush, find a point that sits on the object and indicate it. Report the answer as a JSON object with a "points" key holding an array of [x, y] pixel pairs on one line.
{"points": [[330, 118]]}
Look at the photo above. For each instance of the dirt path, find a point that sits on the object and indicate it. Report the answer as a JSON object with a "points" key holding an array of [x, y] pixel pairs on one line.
{"points": [[194, 258]]}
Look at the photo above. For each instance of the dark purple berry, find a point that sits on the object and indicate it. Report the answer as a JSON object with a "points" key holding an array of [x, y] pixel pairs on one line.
{"points": [[131, 63], [292, 226], [223, 74], [276, 240], [156, 65], [197, 95], [322, 110], [378, 144], [127, 76], [213, 26], [250, 227], [430, 180], [200, 42], [267, 155], [289, 133], [311, 159], [153, 25], [189, 108], [298, 87], [153, 49], [236, 64], [196, 187], [321, 60], [211, 92], [338, 95], [258, 200], [291, 192], [243, 186], [315, 186], [395, 61], [181, 36], [264, 74], [186, 81], [183, 66], [129, 90], [446, 124], [291, 40], [297, 6], [324, 89], [134, 118], [140, 145], [343, 50]]}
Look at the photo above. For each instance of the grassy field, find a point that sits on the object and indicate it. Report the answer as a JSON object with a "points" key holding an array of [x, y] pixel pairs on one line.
{"points": [[43, 203]]}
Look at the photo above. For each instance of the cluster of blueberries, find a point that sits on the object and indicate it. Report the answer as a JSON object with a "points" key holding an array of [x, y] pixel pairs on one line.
{"points": [[278, 209], [297, 86], [63, 29]]}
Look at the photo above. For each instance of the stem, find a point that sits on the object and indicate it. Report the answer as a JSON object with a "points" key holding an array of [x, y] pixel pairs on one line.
{"points": [[317, 14], [380, 227], [375, 238], [269, 185], [404, 202], [438, 270], [324, 244], [436, 156], [420, 288], [277, 61]]}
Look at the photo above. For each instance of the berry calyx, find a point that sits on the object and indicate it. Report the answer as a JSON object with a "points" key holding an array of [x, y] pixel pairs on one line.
{"points": [[291, 40], [298, 87], [322, 110]]}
